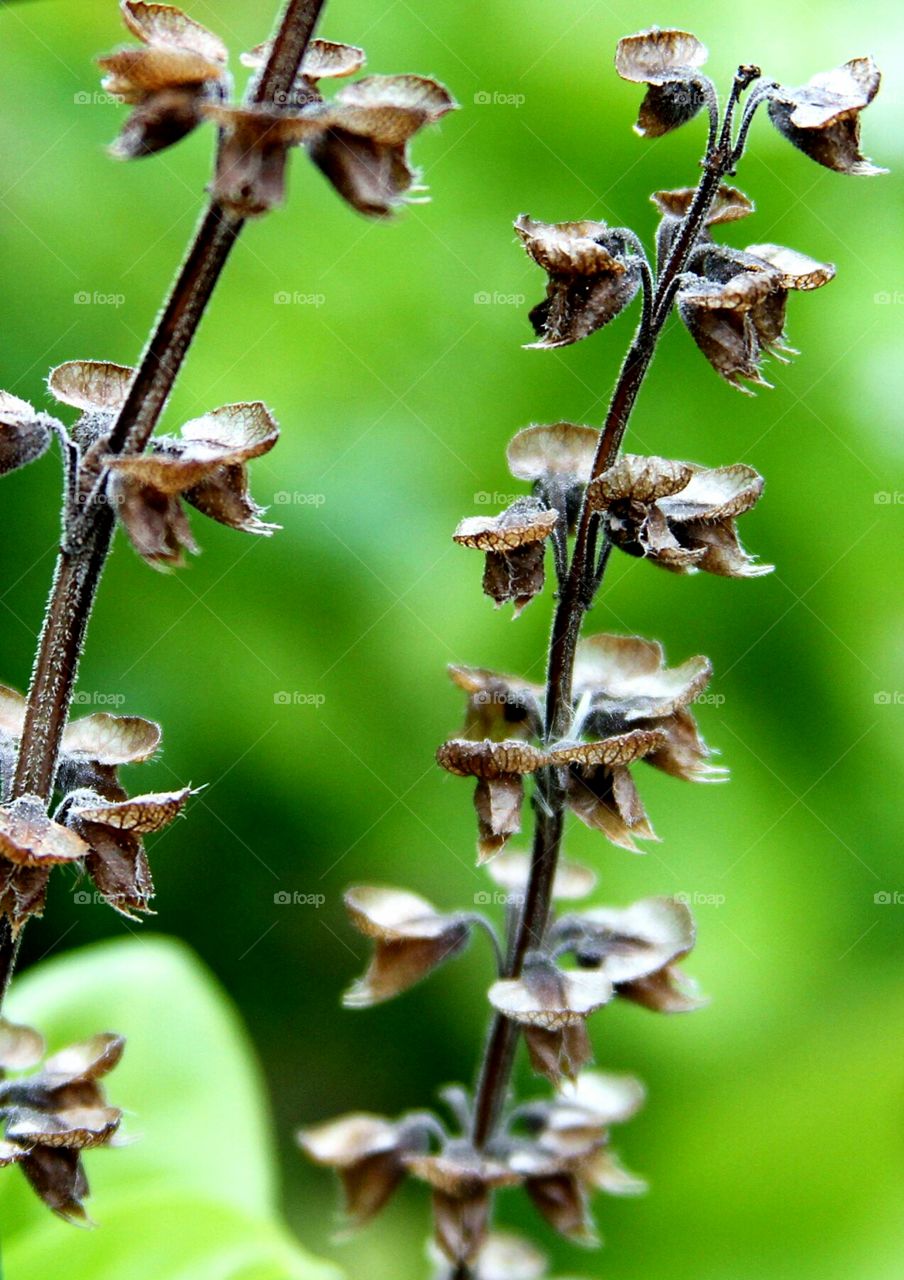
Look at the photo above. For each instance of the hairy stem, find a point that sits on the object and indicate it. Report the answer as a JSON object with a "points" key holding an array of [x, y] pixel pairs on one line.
{"points": [[79, 569]]}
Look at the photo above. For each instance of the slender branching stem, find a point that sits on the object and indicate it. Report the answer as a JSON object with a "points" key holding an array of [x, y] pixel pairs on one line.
{"points": [[82, 558], [585, 575]]}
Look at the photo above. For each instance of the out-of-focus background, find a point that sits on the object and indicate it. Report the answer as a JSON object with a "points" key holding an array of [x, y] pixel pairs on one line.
{"points": [[302, 678]]}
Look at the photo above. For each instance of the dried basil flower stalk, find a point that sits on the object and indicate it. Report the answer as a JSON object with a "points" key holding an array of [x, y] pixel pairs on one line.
{"points": [[609, 704], [61, 800]]}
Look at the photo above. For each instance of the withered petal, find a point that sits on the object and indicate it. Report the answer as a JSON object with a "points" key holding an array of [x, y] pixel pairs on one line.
{"points": [[91, 385], [655, 55], [29, 838], [562, 449], [487, 759], [86, 1060], [140, 814], [20, 1046], [108, 739], [163, 25]]}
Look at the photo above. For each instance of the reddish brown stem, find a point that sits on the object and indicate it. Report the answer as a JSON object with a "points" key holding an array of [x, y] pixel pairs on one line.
{"points": [[78, 571]]}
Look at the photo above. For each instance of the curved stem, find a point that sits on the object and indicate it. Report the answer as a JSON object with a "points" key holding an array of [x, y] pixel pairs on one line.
{"points": [[78, 571]]}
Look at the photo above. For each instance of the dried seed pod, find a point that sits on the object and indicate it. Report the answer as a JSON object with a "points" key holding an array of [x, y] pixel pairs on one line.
{"points": [[462, 1180], [368, 1153], [558, 459], [24, 434], [207, 467], [822, 118], [594, 273], [167, 83], [515, 545], [679, 515], [552, 1004], [411, 939], [363, 148], [251, 165], [52, 1115], [668, 63], [637, 948], [499, 767], [622, 681], [499, 706]]}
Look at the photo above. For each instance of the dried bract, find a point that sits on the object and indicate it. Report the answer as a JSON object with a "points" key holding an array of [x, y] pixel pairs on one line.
{"points": [[594, 273], [822, 118], [462, 1180], [182, 67], [515, 545], [667, 62], [207, 467], [368, 1153], [679, 515], [411, 938], [24, 434], [52, 1115]]}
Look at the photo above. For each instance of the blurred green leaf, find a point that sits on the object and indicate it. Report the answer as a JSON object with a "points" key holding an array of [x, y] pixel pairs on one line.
{"points": [[194, 1195]]}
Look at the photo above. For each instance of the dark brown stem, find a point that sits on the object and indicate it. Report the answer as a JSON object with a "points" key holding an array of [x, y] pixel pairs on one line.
{"points": [[576, 595], [79, 569]]}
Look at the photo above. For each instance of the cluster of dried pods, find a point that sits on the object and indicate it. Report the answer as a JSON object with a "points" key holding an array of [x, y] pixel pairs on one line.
{"points": [[114, 471], [609, 702]]}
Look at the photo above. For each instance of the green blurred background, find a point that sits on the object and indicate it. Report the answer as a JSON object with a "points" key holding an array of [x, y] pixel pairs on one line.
{"points": [[774, 1131]]}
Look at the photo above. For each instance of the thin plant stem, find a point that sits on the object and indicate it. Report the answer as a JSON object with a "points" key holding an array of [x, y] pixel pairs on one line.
{"points": [[80, 565]]}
